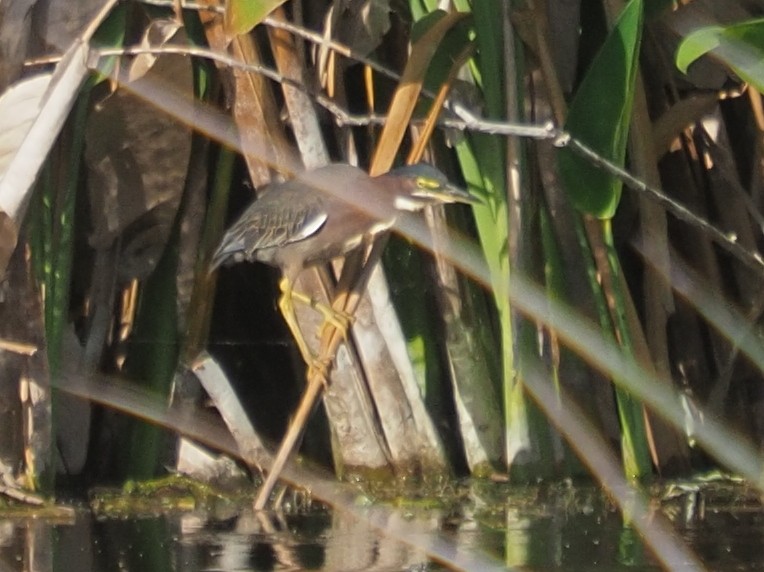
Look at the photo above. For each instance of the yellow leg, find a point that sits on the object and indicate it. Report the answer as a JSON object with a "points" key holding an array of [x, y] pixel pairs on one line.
{"points": [[336, 318], [286, 305]]}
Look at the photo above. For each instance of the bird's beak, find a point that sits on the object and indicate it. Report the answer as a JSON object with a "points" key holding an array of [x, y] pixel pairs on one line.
{"points": [[454, 194], [446, 195]]}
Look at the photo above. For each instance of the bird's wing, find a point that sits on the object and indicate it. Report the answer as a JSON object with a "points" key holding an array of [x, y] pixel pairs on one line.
{"points": [[279, 217], [294, 217]]}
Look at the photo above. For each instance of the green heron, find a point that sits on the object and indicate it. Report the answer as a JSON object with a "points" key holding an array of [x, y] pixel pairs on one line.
{"points": [[323, 214]]}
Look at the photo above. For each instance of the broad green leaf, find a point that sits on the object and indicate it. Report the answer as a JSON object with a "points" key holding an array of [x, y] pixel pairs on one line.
{"points": [[739, 46], [489, 68], [599, 116], [696, 45], [243, 15]]}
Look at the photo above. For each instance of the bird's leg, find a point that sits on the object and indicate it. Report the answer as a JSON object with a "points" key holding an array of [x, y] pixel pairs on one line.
{"points": [[286, 305], [337, 318]]}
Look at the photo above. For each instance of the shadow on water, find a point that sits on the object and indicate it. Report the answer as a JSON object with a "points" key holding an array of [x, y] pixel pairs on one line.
{"points": [[557, 527]]}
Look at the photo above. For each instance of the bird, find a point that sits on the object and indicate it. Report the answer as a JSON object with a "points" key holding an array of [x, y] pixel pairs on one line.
{"points": [[323, 214]]}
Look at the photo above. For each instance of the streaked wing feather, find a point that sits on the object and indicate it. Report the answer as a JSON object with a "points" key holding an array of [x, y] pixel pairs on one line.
{"points": [[278, 218]]}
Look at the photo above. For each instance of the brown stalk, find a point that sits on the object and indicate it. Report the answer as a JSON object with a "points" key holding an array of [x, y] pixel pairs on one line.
{"points": [[358, 266]]}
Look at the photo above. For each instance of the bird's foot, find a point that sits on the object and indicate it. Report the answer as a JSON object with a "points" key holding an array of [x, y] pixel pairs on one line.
{"points": [[318, 368], [332, 316], [340, 320]]}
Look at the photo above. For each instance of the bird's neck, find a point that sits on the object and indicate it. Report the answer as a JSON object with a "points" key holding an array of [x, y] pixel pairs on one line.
{"points": [[408, 203]]}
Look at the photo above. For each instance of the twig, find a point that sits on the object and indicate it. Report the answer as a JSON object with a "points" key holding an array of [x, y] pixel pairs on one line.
{"points": [[494, 128], [728, 242], [306, 34], [355, 275], [467, 120], [21, 348]]}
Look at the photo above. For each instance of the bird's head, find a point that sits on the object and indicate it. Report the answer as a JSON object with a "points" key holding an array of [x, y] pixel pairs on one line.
{"points": [[421, 185]]}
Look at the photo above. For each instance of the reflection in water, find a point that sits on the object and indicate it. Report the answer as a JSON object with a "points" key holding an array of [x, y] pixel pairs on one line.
{"points": [[532, 528]]}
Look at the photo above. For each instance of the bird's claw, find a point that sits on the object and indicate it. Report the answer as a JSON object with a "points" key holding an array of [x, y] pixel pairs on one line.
{"points": [[319, 368], [341, 321]]}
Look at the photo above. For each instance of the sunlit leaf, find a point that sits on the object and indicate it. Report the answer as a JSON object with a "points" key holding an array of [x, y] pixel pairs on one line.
{"points": [[599, 116], [49, 101], [740, 46], [9, 234], [363, 24], [110, 34], [243, 15], [696, 45], [19, 107], [453, 43], [407, 94], [138, 205], [158, 33]]}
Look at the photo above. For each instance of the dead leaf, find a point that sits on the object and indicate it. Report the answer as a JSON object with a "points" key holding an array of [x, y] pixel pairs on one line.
{"points": [[359, 25], [406, 96], [43, 105], [58, 23], [137, 157], [362, 25], [680, 116], [19, 107], [14, 37], [158, 34], [8, 239], [243, 15]]}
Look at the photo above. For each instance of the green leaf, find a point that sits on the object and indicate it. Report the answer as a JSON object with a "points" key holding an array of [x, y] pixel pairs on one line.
{"points": [[490, 43], [599, 117], [740, 46], [110, 34], [456, 39], [696, 45], [243, 15], [423, 24]]}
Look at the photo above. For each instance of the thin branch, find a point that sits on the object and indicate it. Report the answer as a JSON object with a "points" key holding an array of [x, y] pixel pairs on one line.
{"points": [[186, 5], [304, 33], [319, 40], [467, 121], [21, 348], [727, 241]]}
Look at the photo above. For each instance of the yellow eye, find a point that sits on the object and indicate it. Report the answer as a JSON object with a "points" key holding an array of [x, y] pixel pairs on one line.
{"points": [[425, 183]]}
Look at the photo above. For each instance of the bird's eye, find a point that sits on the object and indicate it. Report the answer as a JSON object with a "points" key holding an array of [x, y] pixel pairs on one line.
{"points": [[425, 183]]}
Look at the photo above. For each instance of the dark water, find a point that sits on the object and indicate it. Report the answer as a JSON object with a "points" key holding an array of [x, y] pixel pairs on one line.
{"points": [[526, 529]]}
